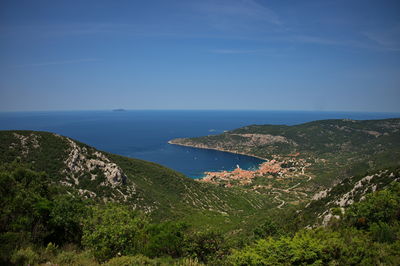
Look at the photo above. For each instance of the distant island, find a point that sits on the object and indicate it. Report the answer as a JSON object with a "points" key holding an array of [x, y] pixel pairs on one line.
{"points": [[119, 110]]}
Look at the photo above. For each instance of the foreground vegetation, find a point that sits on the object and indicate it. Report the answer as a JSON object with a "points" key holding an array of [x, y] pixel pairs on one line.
{"points": [[40, 223]]}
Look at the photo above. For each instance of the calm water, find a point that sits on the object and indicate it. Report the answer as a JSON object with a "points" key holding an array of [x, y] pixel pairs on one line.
{"points": [[144, 134]]}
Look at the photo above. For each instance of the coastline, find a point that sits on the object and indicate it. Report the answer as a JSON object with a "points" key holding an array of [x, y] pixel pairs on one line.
{"points": [[216, 149]]}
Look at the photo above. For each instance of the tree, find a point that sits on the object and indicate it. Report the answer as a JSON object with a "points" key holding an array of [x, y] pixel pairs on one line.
{"points": [[268, 228], [166, 239], [380, 207], [66, 217], [114, 230], [205, 246]]}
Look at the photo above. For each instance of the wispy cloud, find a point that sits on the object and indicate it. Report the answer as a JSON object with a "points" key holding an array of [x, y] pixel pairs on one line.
{"points": [[70, 29], [234, 51], [310, 39], [235, 15], [65, 62], [248, 9], [244, 20], [388, 38]]}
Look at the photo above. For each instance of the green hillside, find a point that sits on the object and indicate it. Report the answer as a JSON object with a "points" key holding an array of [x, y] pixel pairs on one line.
{"points": [[330, 203], [335, 149], [161, 192], [330, 196]]}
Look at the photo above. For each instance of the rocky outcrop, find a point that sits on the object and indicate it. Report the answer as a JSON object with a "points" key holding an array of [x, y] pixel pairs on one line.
{"points": [[26, 142], [346, 193], [85, 165], [263, 139], [78, 162]]}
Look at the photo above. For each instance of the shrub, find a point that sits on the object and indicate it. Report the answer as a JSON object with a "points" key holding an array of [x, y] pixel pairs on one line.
{"points": [[188, 262], [112, 230], [75, 258], [131, 260], [25, 256], [9, 241], [51, 249], [268, 228], [166, 239], [382, 232], [66, 257], [205, 246], [66, 217], [382, 206]]}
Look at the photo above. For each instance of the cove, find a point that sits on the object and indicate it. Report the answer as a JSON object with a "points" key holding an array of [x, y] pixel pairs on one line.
{"points": [[144, 134]]}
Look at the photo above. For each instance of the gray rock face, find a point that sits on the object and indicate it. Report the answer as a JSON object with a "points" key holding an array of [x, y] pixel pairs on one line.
{"points": [[354, 193], [78, 163], [264, 139]]}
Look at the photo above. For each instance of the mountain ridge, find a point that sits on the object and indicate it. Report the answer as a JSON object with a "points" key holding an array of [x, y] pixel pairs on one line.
{"points": [[332, 141], [159, 191]]}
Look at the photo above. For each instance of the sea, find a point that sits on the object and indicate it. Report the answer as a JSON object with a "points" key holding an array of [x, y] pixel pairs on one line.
{"points": [[144, 134]]}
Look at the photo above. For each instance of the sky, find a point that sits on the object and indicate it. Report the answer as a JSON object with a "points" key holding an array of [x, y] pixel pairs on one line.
{"points": [[322, 55]]}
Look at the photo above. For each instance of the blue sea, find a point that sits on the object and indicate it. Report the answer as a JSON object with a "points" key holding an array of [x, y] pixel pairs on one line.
{"points": [[144, 134]]}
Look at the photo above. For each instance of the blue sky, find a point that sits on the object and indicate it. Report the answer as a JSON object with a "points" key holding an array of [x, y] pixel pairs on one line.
{"points": [[206, 54]]}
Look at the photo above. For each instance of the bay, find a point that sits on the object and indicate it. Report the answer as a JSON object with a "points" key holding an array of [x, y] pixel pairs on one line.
{"points": [[144, 134]]}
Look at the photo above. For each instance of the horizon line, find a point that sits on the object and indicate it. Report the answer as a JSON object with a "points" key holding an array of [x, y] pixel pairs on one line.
{"points": [[244, 110]]}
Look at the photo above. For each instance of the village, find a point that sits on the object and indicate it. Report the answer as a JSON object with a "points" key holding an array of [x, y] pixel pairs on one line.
{"points": [[278, 167]]}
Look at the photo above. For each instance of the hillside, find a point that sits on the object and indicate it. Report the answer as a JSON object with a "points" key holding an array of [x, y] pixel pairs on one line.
{"points": [[331, 203], [161, 192], [305, 158], [67, 203], [320, 138]]}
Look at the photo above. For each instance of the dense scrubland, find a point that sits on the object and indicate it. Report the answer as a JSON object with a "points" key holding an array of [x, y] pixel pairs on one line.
{"points": [[65, 203]]}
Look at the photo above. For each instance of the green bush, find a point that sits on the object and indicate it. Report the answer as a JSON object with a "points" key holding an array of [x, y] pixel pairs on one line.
{"points": [[382, 232], [318, 247], [382, 206], [206, 246], [72, 257], [9, 241], [66, 257], [50, 252], [66, 216], [268, 228], [25, 256], [114, 230], [131, 260], [166, 239]]}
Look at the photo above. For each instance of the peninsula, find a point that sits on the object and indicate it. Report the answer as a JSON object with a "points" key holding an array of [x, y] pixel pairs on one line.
{"points": [[303, 159]]}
